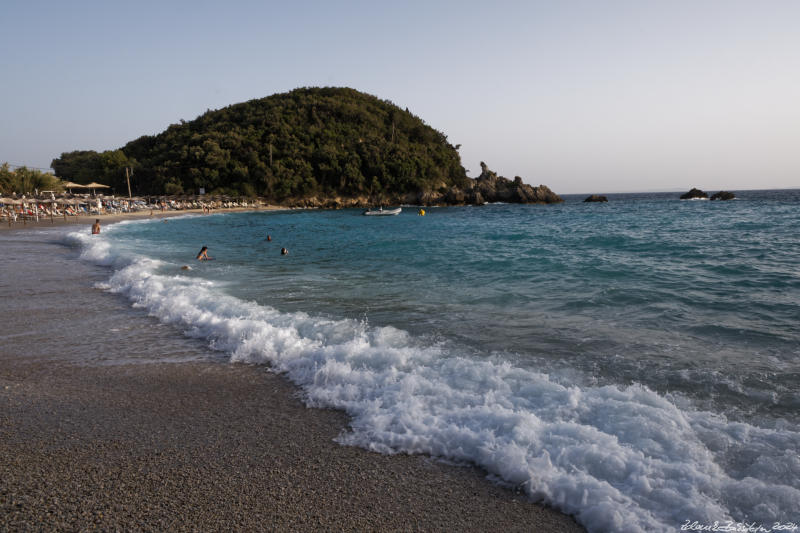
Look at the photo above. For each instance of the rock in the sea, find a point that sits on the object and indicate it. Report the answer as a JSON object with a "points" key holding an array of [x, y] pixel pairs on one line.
{"points": [[723, 195], [596, 198], [489, 187], [694, 193]]}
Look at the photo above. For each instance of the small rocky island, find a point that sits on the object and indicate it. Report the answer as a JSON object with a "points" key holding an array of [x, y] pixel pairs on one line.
{"points": [[695, 193], [698, 194], [723, 195], [596, 198]]}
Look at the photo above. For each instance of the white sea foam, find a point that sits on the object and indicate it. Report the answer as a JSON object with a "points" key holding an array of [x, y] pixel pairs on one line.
{"points": [[618, 458]]}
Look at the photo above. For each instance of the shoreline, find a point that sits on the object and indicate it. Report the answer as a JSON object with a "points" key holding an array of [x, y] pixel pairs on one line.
{"points": [[100, 436], [111, 218]]}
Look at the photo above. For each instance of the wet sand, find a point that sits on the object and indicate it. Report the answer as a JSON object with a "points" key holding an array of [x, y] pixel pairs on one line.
{"points": [[95, 435]]}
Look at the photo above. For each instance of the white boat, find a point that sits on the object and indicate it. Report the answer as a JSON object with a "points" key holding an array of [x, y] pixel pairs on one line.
{"points": [[382, 212]]}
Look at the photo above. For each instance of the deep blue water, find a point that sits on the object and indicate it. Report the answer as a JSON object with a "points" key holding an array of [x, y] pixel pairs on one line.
{"points": [[667, 329]]}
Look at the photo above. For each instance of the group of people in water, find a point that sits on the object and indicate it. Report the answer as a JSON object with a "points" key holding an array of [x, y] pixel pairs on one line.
{"points": [[202, 255]]}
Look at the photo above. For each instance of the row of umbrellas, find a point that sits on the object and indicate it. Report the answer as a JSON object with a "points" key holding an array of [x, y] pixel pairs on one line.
{"points": [[36, 203], [23, 201], [93, 185], [78, 201]]}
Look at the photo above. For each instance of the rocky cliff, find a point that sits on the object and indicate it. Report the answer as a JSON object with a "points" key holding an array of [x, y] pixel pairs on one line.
{"points": [[486, 188], [490, 188]]}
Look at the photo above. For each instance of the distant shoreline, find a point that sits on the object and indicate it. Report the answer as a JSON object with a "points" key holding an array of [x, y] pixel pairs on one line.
{"points": [[110, 218]]}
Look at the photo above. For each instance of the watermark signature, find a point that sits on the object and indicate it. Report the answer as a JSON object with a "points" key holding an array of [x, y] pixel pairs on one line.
{"points": [[739, 527]]}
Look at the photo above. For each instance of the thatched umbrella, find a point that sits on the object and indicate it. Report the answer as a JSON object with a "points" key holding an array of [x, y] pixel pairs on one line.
{"points": [[94, 185], [9, 202], [46, 211], [70, 185], [20, 202], [75, 202]]}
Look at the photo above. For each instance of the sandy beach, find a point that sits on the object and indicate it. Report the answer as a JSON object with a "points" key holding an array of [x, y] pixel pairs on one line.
{"points": [[110, 218], [96, 435]]}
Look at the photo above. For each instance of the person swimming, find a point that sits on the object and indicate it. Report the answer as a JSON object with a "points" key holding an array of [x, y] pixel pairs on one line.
{"points": [[269, 238], [284, 251], [203, 254]]}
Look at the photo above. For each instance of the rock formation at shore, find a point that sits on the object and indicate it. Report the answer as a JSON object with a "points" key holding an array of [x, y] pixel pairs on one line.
{"points": [[486, 188], [694, 193], [489, 188], [596, 198], [723, 195]]}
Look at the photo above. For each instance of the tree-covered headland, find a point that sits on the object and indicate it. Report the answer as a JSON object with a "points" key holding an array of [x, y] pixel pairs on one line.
{"points": [[310, 146]]}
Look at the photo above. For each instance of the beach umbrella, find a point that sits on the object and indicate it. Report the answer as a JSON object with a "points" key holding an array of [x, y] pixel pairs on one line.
{"points": [[45, 202], [76, 202], [94, 185], [70, 185], [10, 202]]}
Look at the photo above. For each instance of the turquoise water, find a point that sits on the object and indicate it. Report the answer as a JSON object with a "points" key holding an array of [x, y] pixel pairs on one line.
{"points": [[547, 344], [697, 297]]}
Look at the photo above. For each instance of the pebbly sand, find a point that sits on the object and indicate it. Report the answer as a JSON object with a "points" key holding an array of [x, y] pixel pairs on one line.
{"points": [[115, 441], [87, 220]]}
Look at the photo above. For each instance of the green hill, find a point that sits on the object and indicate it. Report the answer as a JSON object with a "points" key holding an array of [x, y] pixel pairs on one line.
{"points": [[308, 143]]}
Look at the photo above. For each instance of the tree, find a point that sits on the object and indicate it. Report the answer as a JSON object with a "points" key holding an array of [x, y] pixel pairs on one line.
{"points": [[310, 141], [26, 181]]}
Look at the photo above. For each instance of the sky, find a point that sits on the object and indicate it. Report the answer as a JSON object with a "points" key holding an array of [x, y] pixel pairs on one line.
{"points": [[582, 96]]}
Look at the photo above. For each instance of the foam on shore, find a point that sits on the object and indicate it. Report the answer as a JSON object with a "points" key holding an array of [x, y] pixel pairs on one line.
{"points": [[618, 458]]}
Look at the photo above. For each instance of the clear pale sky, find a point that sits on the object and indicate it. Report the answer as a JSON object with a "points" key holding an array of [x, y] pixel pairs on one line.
{"points": [[583, 96]]}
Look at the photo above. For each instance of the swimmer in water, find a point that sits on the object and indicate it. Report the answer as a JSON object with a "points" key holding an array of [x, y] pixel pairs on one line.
{"points": [[284, 251], [269, 238], [203, 255]]}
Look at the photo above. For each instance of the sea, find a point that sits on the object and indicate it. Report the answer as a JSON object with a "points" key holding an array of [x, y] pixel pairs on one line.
{"points": [[633, 363]]}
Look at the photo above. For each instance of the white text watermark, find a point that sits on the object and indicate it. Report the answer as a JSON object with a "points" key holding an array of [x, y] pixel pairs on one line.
{"points": [[739, 527]]}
